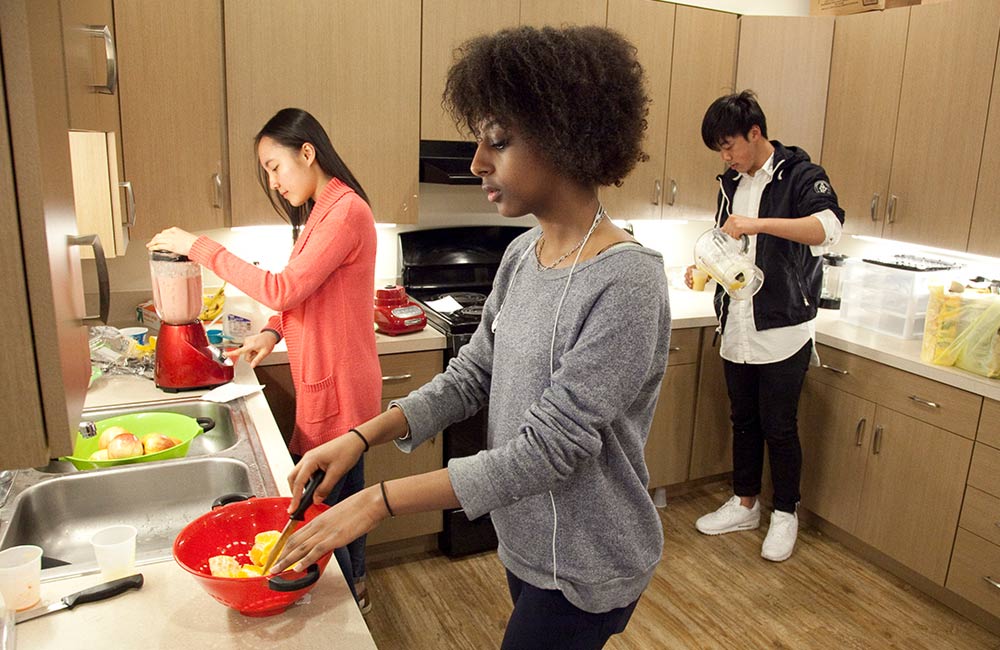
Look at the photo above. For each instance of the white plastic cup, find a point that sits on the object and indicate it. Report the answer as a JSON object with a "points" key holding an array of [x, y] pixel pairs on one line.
{"points": [[698, 279], [114, 548], [137, 333], [21, 576]]}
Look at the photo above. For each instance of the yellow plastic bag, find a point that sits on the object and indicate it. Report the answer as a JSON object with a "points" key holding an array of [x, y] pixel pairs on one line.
{"points": [[963, 330]]}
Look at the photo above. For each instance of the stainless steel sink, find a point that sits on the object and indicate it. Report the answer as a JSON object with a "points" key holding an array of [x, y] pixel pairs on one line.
{"points": [[223, 436], [58, 508]]}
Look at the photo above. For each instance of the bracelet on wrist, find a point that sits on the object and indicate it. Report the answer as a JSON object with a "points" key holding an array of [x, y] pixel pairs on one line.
{"points": [[363, 439], [385, 500]]}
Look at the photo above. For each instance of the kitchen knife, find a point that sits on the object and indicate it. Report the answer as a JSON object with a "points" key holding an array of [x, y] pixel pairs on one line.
{"points": [[95, 593], [295, 518]]}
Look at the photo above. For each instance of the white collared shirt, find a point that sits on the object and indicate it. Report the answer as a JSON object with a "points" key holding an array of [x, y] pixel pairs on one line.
{"points": [[741, 341]]}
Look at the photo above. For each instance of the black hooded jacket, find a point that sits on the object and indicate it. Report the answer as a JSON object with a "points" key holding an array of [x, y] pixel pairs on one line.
{"points": [[792, 275]]}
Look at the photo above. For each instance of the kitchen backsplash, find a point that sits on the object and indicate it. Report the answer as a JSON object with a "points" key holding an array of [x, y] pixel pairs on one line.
{"points": [[442, 206]]}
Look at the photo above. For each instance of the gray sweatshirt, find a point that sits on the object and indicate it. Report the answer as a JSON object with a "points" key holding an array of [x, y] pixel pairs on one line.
{"points": [[564, 475]]}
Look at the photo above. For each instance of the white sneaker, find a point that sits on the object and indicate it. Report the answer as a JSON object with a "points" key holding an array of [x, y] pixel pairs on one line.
{"points": [[730, 518], [781, 534]]}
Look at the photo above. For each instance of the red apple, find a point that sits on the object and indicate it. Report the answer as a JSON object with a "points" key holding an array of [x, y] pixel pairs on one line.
{"points": [[154, 442], [110, 434], [125, 445]]}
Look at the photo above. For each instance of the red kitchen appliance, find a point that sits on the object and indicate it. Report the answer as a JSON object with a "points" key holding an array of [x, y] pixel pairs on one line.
{"points": [[185, 360], [396, 314]]}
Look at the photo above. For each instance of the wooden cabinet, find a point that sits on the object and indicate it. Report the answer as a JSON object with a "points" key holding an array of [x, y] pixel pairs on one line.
{"points": [[689, 57], [974, 573], [103, 197], [170, 63], [649, 26], [885, 457], [559, 13], [668, 447], [445, 25], [712, 444], [866, 72], [401, 374], [786, 61], [943, 103], [46, 363], [984, 236], [703, 69], [319, 56]]}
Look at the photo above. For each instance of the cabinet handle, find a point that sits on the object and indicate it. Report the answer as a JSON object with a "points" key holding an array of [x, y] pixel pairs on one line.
{"points": [[674, 349], [103, 285], [673, 192], [925, 402], [890, 210], [110, 55], [992, 581], [859, 433], [657, 191], [129, 202], [874, 206], [396, 377], [217, 191], [832, 369], [877, 441]]}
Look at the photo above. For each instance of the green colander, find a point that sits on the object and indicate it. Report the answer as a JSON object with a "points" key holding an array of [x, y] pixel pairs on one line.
{"points": [[174, 425]]}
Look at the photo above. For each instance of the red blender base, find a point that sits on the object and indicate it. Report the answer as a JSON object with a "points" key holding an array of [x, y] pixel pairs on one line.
{"points": [[186, 361]]}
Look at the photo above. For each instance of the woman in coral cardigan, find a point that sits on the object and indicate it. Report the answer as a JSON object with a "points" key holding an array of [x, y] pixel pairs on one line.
{"points": [[323, 296]]}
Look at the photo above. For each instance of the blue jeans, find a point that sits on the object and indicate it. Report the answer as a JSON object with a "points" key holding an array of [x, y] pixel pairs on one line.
{"points": [[544, 619], [351, 558]]}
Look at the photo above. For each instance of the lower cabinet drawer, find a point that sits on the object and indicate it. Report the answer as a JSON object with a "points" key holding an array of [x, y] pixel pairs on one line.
{"points": [[984, 473], [981, 514], [975, 571], [684, 346], [408, 371]]}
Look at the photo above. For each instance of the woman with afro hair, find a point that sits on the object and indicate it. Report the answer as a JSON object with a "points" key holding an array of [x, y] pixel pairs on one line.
{"points": [[569, 354]]}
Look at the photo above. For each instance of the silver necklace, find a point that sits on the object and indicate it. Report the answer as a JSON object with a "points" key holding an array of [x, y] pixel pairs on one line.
{"points": [[541, 243]]}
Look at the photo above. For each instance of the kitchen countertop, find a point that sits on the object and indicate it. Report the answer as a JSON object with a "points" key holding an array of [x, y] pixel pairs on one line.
{"points": [[172, 610], [426, 339]]}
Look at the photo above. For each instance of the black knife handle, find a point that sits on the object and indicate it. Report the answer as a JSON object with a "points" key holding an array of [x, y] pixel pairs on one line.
{"points": [[307, 495], [103, 590]]}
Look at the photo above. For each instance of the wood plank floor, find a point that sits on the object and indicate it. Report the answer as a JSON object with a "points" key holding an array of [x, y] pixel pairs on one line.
{"points": [[708, 593]]}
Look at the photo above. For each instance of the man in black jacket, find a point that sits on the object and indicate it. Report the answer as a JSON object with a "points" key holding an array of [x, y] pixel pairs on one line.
{"points": [[786, 206]]}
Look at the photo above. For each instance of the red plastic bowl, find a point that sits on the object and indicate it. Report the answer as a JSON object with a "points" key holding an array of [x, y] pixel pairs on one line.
{"points": [[229, 530]]}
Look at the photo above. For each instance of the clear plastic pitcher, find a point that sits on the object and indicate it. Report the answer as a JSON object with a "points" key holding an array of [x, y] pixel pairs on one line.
{"points": [[727, 261]]}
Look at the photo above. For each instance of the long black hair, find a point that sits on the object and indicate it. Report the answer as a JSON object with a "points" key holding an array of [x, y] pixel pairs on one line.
{"points": [[292, 128]]}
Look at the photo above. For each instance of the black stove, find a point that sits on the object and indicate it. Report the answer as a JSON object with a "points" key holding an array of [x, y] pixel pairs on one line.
{"points": [[459, 263]]}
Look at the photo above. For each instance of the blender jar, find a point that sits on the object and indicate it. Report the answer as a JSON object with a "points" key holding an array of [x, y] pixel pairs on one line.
{"points": [[833, 267], [726, 260], [176, 287]]}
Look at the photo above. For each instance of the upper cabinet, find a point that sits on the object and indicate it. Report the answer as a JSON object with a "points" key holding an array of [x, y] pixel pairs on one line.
{"points": [[559, 13], [786, 61], [322, 57], [649, 26], [173, 112], [943, 103], [704, 69], [689, 56], [984, 236], [866, 73], [446, 25], [104, 200]]}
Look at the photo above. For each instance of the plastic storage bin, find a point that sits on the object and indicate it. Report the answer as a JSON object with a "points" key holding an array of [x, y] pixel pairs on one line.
{"points": [[888, 300]]}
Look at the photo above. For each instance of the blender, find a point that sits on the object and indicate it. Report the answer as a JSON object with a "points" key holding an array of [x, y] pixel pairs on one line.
{"points": [[185, 360], [727, 261]]}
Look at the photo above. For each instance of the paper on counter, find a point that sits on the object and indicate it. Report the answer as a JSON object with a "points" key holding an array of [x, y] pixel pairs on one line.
{"points": [[229, 392], [444, 305]]}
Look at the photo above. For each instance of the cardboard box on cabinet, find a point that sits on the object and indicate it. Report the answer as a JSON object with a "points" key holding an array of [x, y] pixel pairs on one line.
{"points": [[844, 7]]}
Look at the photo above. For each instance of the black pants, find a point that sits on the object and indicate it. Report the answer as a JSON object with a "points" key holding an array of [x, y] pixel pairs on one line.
{"points": [[543, 619], [764, 401]]}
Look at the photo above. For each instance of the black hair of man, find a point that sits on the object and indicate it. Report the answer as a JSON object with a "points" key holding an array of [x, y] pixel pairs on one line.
{"points": [[732, 115]]}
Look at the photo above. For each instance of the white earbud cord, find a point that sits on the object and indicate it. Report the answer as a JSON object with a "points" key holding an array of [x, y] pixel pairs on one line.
{"points": [[552, 353]]}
